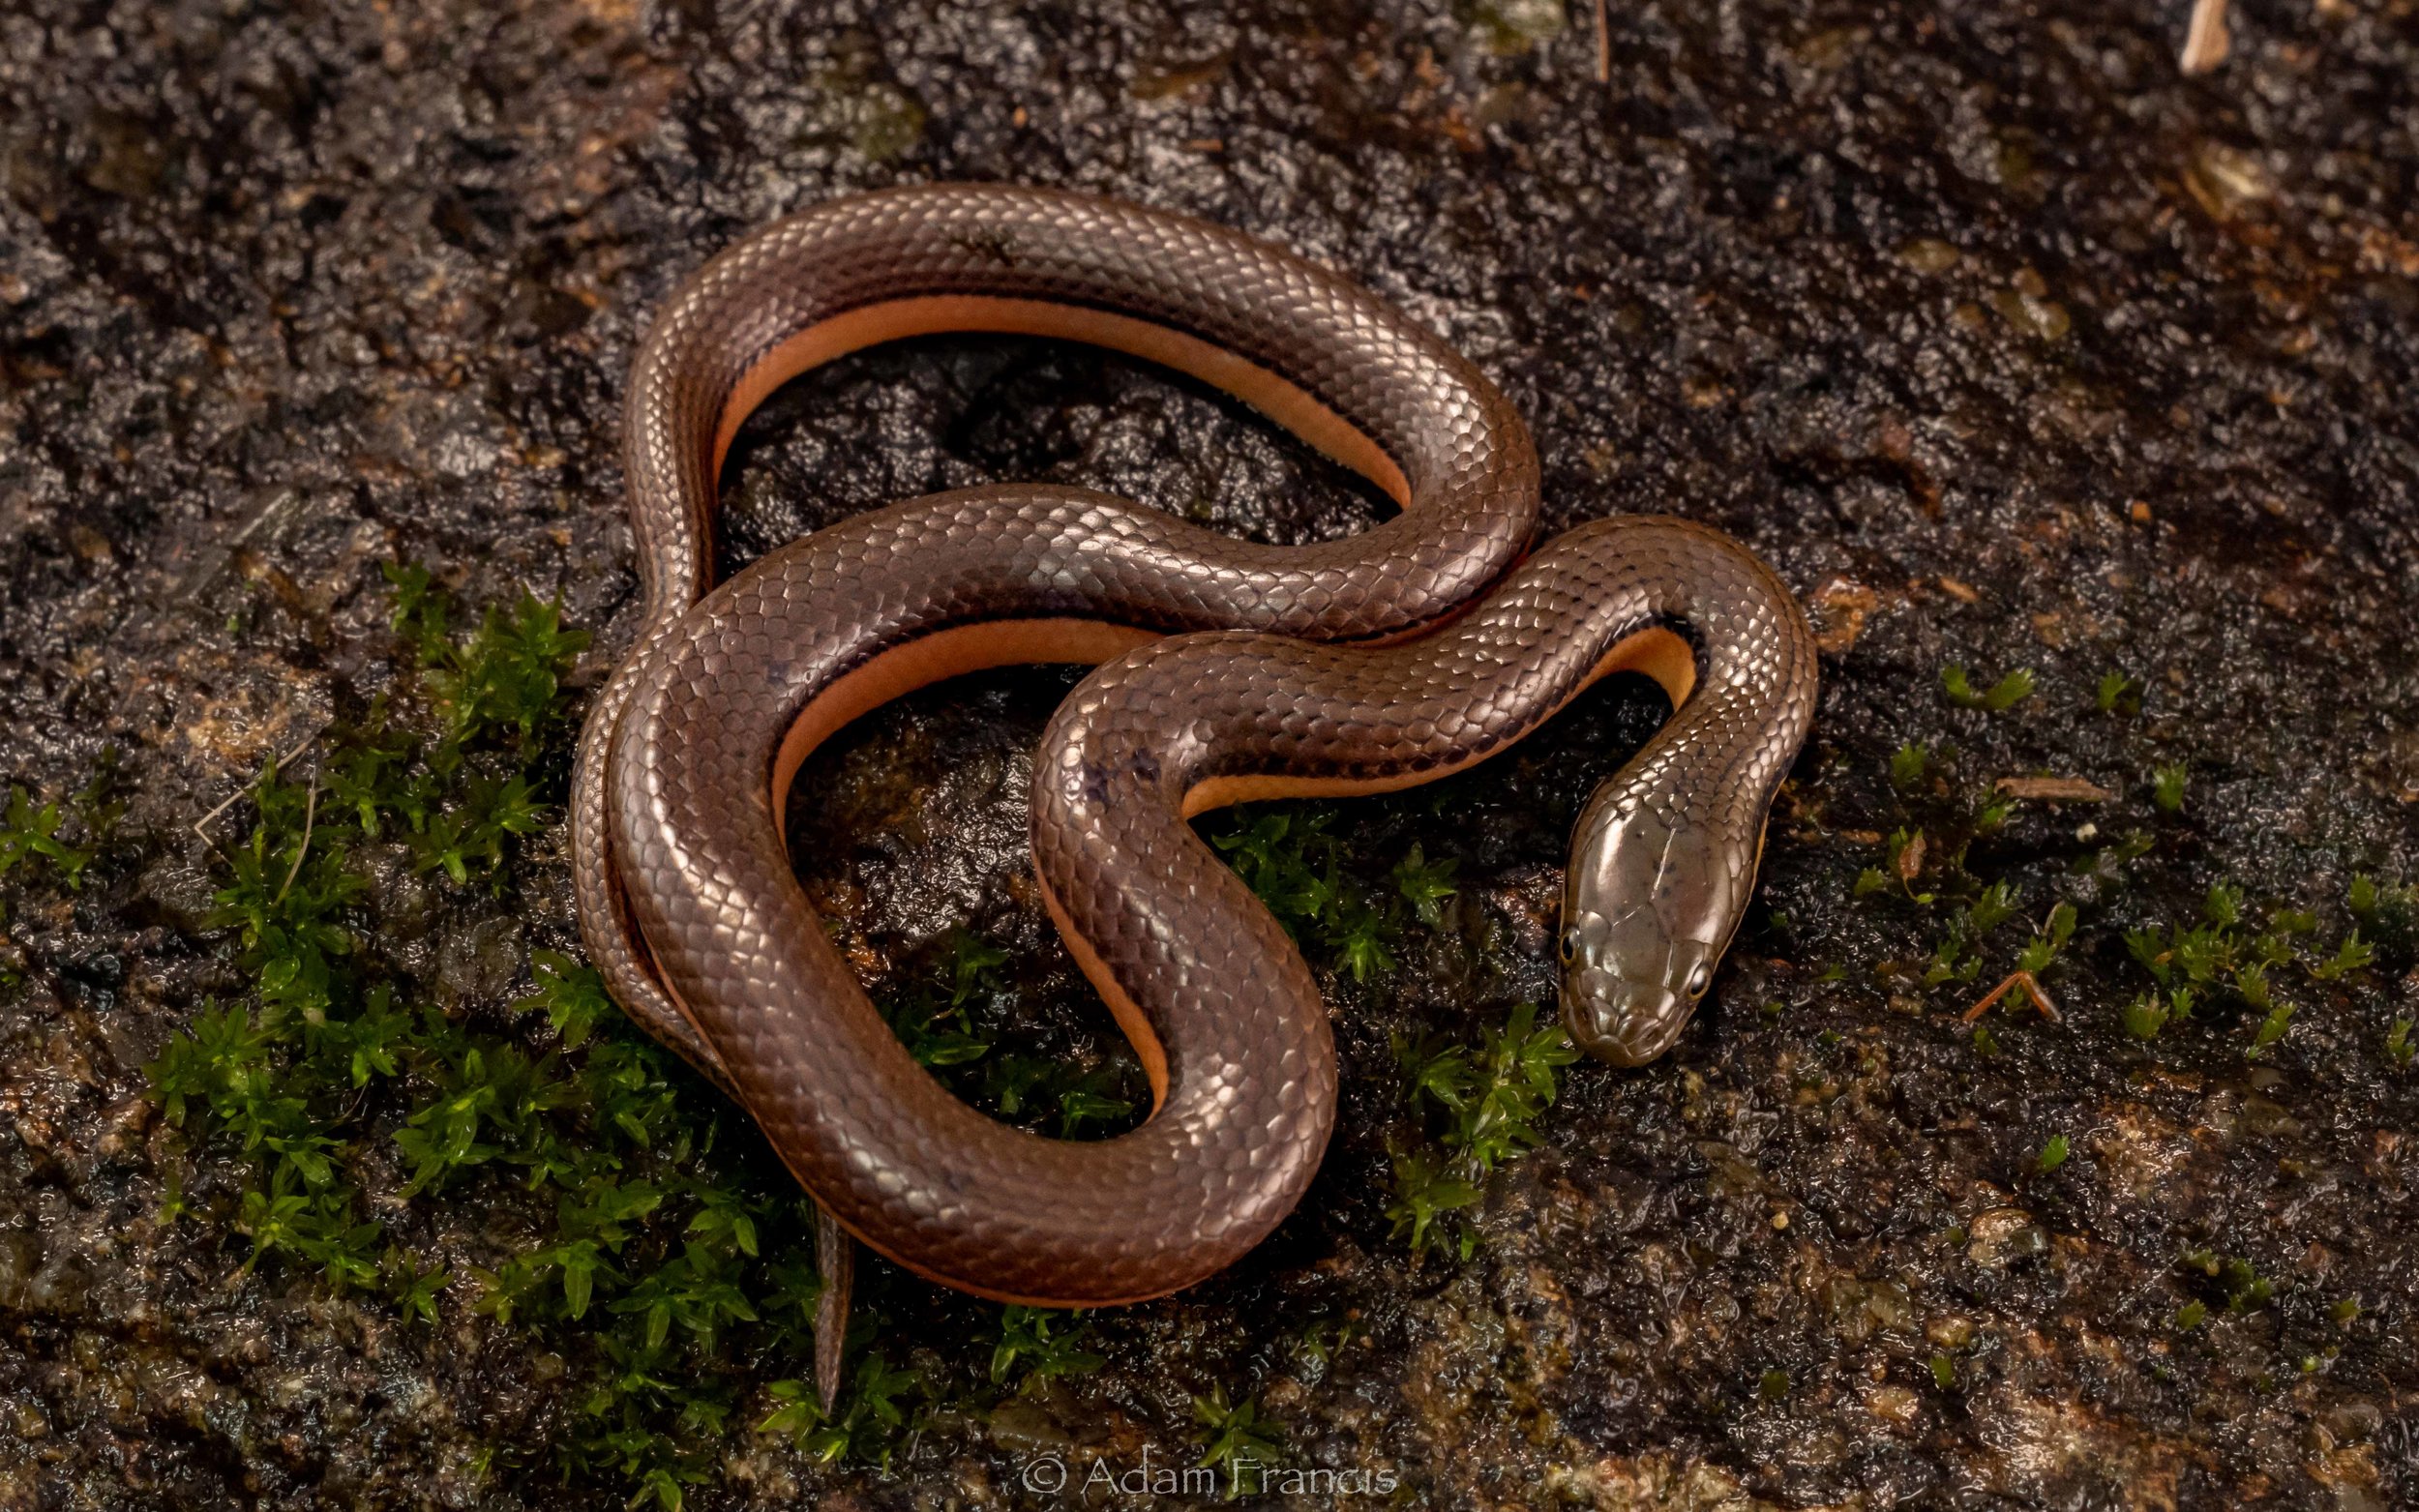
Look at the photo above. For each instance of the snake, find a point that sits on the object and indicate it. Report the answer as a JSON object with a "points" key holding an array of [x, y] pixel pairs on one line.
{"points": [[1224, 671]]}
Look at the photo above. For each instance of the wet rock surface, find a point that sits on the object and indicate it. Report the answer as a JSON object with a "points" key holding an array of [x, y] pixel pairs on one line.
{"points": [[2007, 345]]}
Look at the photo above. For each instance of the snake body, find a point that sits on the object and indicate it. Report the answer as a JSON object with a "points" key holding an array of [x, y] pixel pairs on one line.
{"points": [[1403, 673]]}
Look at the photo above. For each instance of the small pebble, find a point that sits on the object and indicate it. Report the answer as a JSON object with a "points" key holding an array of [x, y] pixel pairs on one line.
{"points": [[2004, 1235]]}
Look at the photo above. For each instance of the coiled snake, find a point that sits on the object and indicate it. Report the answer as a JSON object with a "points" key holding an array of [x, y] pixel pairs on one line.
{"points": [[1418, 647]]}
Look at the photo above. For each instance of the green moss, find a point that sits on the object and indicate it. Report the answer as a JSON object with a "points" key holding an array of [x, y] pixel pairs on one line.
{"points": [[1488, 1097], [2118, 693], [651, 1257], [933, 1018], [2005, 693], [1474, 1102], [2362, 897], [2239, 1283], [1236, 1437], [2246, 1289], [1048, 1342], [1291, 859], [880, 1401], [1959, 955], [2271, 1029], [2215, 951], [2226, 957], [1926, 852], [2222, 957], [2166, 787], [1424, 885], [1090, 1101], [1322, 1340], [2145, 1016], [2052, 1155], [2041, 952], [2353, 955], [29, 835], [1427, 1189]]}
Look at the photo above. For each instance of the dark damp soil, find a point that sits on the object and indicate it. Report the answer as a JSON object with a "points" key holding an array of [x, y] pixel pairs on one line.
{"points": [[2010, 347]]}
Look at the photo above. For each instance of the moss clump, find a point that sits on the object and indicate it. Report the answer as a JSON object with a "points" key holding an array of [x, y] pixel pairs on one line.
{"points": [[341, 1107]]}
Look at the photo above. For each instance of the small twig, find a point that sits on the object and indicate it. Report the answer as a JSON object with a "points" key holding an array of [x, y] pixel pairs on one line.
{"points": [[2206, 39], [311, 816], [2032, 989], [1603, 47], [201, 826]]}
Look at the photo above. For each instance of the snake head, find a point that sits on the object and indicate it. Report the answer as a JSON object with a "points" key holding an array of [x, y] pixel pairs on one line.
{"points": [[1648, 908]]}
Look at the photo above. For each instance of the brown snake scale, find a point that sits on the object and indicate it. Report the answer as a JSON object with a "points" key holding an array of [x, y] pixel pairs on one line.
{"points": [[687, 898]]}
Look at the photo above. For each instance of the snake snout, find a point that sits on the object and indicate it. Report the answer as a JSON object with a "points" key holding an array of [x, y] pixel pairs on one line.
{"points": [[1628, 987], [1620, 1019]]}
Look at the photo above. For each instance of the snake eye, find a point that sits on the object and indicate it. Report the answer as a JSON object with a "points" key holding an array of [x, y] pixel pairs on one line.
{"points": [[1571, 944], [1700, 979]]}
